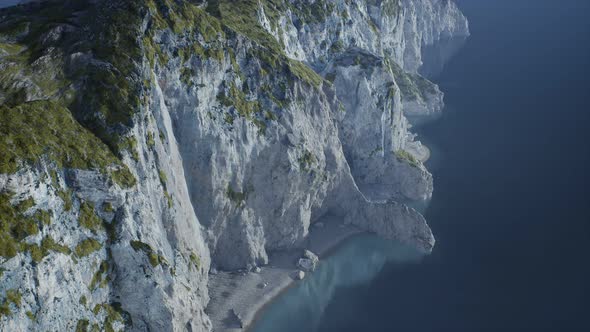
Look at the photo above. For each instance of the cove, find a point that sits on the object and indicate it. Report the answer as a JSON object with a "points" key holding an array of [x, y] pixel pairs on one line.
{"points": [[356, 261]]}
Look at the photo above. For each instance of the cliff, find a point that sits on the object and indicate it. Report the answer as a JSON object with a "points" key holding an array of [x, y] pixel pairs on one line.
{"points": [[144, 142]]}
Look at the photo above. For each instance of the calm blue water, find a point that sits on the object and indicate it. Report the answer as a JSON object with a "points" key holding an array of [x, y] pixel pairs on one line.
{"points": [[356, 262], [8, 3], [511, 208]]}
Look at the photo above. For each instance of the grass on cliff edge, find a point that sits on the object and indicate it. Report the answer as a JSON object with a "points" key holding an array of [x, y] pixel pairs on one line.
{"points": [[109, 95], [242, 17], [103, 98], [404, 155], [32, 130]]}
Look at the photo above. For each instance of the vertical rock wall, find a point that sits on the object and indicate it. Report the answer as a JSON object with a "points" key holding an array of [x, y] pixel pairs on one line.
{"points": [[236, 148]]}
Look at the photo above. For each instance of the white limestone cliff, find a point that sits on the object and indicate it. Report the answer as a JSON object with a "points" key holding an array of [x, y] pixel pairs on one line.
{"points": [[217, 187]]}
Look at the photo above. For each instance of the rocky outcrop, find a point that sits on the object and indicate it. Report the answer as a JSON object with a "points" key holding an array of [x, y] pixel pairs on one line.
{"points": [[298, 275], [308, 262], [152, 140]]}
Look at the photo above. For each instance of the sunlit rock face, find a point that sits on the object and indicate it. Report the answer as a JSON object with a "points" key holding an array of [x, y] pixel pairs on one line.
{"points": [[199, 134]]}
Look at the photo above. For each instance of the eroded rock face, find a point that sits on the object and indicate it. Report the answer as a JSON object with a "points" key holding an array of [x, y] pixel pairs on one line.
{"points": [[397, 31], [236, 150]]}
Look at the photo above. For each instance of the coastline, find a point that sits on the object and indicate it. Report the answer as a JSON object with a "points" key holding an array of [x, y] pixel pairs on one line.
{"points": [[243, 291], [418, 150]]}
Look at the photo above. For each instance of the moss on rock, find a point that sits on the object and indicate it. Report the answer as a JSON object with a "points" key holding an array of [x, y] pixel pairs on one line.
{"points": [[14, 297], [15, 226], [99, 279], [88, 218], [87, 247], [153, 257], [66, 197], [195, 260], [239, 198], [404, 155]]}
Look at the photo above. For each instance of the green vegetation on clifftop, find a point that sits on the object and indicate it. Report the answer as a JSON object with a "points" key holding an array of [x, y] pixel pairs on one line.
{"points": [[94, 95], [404, 155], [242, 17], [39, 129]]}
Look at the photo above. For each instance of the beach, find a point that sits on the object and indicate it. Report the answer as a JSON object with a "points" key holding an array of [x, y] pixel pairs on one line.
{"points": [[247, 293]]}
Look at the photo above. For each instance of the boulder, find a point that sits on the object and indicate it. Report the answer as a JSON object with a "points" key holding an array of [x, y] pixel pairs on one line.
{"points": [[308, 262], [299, 275], [310, 255]]}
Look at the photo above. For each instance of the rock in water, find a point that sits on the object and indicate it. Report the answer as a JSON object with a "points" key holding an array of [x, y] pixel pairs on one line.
{"points": [[308, 262], [299, 275], [310, 255]]}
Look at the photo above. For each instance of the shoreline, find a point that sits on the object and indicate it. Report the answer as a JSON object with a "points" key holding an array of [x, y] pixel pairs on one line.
{"points": [[419, 151], [243, 291]]}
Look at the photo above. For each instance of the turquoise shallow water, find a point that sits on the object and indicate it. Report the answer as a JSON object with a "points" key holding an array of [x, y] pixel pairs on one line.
{"points": [[355, 262]]}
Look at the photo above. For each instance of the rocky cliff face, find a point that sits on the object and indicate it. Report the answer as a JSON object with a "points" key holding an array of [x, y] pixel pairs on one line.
{"points": [[144, 142]]}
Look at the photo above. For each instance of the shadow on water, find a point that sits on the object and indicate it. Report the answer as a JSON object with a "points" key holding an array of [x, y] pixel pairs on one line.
{"points": [[436, 56], [356, 262]]}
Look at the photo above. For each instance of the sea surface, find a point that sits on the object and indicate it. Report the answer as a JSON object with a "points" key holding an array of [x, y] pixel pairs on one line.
{"points": [[8, 3], [511, 207]]}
